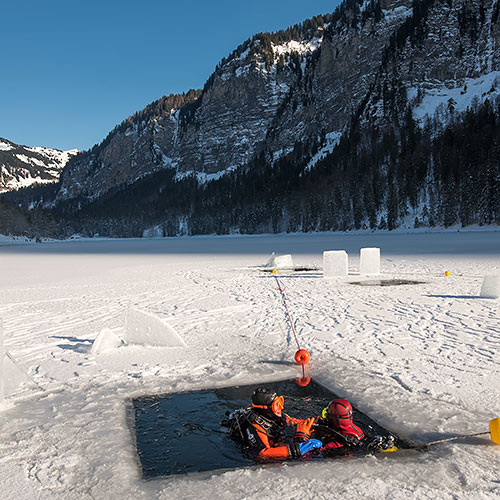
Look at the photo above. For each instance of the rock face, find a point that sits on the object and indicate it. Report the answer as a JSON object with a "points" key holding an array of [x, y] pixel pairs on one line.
{"points": [[265, 97], [21, 166], [455, 46], [272, 92]]}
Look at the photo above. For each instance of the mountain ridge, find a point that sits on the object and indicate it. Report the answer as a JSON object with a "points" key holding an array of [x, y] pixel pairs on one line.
{"points": [[23, 166], [348, 130]]}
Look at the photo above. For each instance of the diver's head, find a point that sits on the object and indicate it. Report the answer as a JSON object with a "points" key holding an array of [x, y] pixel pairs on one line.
{"points": [[267, 402], [339, 414]]}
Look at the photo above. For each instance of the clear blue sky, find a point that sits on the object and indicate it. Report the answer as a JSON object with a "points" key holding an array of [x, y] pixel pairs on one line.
{"points": [[72, 70]]}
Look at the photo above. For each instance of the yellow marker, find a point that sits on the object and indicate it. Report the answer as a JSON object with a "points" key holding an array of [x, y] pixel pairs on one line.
{"points": [[447, 273], [495, 430], [274, 271], [388, 450]]}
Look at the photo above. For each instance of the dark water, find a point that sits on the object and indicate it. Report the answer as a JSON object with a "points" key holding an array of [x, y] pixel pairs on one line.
{"points": [[182, 433], [392, 282]]}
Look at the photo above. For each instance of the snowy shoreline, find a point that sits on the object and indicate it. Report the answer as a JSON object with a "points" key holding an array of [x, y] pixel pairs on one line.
{"points": [[20, 240], [421, 360]]}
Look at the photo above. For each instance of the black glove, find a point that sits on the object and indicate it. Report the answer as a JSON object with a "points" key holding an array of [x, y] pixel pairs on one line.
{"points": [[380, 443], [352, 442]]}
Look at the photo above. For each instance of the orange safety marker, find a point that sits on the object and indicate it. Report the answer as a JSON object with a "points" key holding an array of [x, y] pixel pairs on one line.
{"points": [[302, 357], [303, 381]]}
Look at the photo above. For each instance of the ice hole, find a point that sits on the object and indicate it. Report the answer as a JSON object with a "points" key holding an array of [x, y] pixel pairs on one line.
{"points": [[390, 282], [181, 433], [296, 269]]}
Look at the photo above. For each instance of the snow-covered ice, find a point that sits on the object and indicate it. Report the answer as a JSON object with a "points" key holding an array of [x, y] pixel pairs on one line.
{"points": [[422, 360], [335, 263], [369, 261]]}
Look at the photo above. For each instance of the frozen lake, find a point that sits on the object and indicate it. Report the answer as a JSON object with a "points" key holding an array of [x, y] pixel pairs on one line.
{"points": [[422, 356]]}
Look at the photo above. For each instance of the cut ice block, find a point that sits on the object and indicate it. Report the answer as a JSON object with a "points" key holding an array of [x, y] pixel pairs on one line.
{"points": [[148, 329], [2, 355], [14, 376], [491, 287], [105, 340], [280, 261], [270, 261], [335, 263], [369, 261]]}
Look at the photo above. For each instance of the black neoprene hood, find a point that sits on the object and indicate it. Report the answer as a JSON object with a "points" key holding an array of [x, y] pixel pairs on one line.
{"points": [[262, 396]]}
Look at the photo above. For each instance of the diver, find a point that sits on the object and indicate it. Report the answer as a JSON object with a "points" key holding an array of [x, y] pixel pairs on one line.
{"points": [[261, 428], [337, 430]]}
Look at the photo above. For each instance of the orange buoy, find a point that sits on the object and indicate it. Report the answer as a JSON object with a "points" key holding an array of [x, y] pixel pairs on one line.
{"points": [[303, 381], [302, 357], [447, 273]]}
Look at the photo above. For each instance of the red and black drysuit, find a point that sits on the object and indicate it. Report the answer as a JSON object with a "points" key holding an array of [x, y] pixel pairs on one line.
{"points": [[337, 430], [263, 435]]}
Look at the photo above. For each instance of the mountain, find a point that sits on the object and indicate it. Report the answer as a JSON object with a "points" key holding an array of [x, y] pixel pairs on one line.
{"points": [[384, 113], [22, 166], [270, 92]]}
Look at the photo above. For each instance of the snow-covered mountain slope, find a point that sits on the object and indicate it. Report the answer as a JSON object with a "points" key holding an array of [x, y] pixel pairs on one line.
{"points": [[22, 166]]}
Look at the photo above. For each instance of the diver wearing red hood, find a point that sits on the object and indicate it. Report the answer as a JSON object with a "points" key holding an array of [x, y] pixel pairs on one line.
{"points": [[337, 417]]}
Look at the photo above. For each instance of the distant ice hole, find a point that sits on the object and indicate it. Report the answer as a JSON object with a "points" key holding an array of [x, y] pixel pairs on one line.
{"points": [[181, 433], [296, 269], [388, 282]]}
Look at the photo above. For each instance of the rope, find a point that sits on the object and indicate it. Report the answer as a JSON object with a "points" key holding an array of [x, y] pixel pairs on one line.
{"points": [[292, 327], [282, 291], [457, 437]]}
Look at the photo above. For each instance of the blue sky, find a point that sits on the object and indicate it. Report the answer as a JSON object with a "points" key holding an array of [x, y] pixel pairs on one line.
{"points": [[71, 70]]}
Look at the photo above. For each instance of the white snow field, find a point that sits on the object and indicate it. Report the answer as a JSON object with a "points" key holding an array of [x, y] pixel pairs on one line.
{"points": [[422, 360]]}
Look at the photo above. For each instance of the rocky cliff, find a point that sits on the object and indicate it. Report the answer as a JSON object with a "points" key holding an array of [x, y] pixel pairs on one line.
{"points": [[271, 92]]}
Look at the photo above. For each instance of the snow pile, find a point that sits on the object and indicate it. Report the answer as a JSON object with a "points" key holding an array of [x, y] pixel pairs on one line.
{"points": [[491, 287], [335, 263], [369, 261], [147, 329], [105, 340]]}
